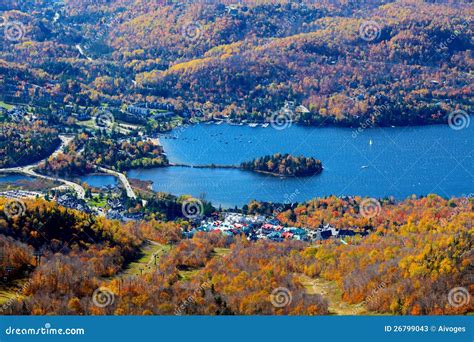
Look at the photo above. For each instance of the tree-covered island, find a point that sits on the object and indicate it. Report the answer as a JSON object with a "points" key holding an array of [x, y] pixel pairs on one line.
{"points": [[285, 165]]}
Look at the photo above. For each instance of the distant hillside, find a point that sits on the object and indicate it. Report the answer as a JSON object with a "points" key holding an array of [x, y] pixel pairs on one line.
{"points": [[347, 63]]}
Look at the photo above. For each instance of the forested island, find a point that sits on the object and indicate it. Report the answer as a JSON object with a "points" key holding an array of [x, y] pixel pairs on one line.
{"points": [[284, 165]]}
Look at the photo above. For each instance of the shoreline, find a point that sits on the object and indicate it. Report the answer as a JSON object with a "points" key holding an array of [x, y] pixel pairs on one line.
{"points": [[235, 167]]}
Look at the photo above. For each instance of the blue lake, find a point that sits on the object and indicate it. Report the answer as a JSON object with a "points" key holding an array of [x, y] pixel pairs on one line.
{"points": [[13, 177], [377, 162], [98, 181]]}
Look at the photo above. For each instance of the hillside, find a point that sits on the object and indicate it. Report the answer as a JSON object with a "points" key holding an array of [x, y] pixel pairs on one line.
{"points": [[380, 63], [416, 253]]}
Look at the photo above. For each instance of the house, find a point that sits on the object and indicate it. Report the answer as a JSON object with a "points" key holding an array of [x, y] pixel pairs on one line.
{"points": [[68, 200], [83, 116], [302, 109], [139, 111], [289, 105], [145, 109], [115, 204]]}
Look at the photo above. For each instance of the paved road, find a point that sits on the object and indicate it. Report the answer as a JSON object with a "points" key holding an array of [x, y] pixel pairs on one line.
{"points": [[29, 169], [123, 179]]}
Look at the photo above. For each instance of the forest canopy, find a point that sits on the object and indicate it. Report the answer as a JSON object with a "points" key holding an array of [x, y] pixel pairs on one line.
{"points": [[284, 165], [245, 62]]}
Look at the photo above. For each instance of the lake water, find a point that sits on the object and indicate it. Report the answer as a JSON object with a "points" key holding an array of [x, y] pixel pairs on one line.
{"points": [[14, 177], [99, 181], [377, 162]]}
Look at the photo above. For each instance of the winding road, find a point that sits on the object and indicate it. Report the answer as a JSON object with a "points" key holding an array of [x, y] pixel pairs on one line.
{"points": [[29, 169], [78, 189]]}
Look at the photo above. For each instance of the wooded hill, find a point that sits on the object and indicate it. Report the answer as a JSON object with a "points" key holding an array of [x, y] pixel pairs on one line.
{"points": [[382, 63]]}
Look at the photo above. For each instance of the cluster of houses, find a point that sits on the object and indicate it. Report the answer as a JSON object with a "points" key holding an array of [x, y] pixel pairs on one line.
{"points": [[151, 109], [292, 107], [20, 194], [68, 200], [17, 114], [117, 211], [262, 228]]}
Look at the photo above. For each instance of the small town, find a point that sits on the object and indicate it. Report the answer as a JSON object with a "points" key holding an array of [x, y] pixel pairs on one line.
{"points": [[259, 227]]}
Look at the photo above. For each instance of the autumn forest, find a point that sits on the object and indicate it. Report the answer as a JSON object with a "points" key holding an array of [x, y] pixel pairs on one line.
{"points": [[106, 88]]}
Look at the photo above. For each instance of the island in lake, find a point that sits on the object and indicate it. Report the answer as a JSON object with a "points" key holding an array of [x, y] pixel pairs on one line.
{"points": [[284, 165]]}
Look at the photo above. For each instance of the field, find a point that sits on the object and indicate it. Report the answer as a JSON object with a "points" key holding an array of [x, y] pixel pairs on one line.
{"points": [[150, 252], [330, 291]]}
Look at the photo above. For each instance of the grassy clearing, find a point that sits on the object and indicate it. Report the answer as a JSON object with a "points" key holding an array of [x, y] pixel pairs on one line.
{"points": [[191, 273], [92, 124], [330, 291], [88, 123], [97, 202], [146, 263], [220, 252], [6, 105]]}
